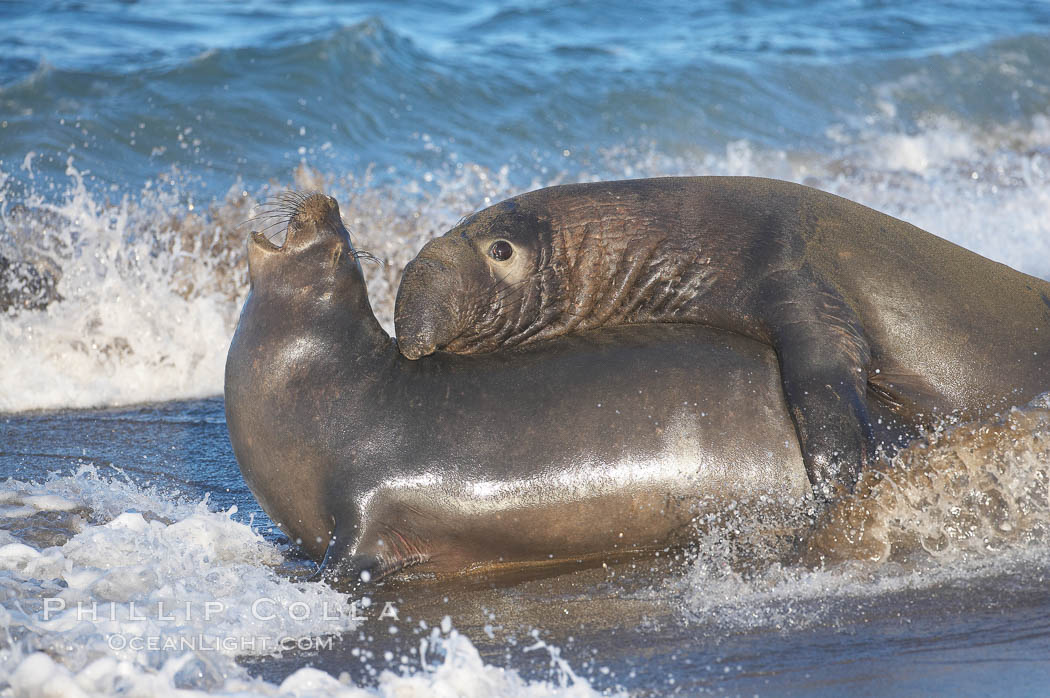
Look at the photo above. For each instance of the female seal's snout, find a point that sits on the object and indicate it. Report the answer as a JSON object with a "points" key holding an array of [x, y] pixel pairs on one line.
{"points": [[317, 209], [312, 225], [260, 249], [311, 216]]}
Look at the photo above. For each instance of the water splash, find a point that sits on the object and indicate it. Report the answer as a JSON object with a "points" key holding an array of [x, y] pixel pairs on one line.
{"points": [[114, 588], [961, 503], [974, 488]]}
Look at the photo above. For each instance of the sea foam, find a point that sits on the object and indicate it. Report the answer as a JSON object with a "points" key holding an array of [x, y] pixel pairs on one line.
{"points": [[134, 593]]}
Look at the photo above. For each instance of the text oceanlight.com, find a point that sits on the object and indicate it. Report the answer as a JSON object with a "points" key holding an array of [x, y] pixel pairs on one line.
{"points": [[256, 644]]}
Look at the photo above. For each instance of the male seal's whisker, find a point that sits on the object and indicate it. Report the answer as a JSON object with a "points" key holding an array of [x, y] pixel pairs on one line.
{"points": [[508, 289]]}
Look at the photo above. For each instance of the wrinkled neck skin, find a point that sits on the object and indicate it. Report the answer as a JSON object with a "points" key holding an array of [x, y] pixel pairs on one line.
{"points": [[601, 262]]}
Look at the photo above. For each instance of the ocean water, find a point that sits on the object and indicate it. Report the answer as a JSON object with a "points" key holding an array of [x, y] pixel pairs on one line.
{"points": [[137, 143]]}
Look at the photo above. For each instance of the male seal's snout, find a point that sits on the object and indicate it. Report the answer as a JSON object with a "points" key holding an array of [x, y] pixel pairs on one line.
{"points": [[426, 322]]}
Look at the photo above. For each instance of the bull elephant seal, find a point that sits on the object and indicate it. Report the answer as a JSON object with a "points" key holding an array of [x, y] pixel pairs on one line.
{"points": [[851, 299], [600, 443]]}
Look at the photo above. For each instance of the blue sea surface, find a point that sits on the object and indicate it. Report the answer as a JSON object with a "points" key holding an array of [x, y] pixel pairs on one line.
{"points": [[228, 90], [139, 142]]}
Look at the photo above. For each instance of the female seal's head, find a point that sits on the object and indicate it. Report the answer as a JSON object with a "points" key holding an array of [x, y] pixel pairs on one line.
{"points": [[316, 252], [466, 290]]}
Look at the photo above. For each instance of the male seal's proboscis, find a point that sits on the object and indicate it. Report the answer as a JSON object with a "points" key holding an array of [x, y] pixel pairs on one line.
{"points": [[603, 443], [855, 302]]}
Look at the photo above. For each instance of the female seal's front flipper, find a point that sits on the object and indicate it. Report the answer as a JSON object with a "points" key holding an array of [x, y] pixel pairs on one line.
{"points": [[347, 562], [346, 570]]}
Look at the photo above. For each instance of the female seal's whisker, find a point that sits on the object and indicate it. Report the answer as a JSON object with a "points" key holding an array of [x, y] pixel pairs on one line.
{"points": [[271, 207], [279, 211], [263, 216], [287, 203], [275, 224], [290, 195], [368, 257], [295, 199]]}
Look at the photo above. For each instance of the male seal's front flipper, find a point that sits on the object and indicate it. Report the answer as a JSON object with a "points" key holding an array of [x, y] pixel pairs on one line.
{"points": [[824, 361], [831, 419]]}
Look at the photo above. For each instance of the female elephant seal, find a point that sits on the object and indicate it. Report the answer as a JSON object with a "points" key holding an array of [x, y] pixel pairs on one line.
{"points": [[600, 443], [851, 299]]}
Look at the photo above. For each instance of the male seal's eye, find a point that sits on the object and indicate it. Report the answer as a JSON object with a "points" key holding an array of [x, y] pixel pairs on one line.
{"points": [[501, 250]]}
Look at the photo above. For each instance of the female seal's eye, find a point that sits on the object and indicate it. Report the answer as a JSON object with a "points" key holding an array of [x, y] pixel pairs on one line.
{"points": [[501, 250]]}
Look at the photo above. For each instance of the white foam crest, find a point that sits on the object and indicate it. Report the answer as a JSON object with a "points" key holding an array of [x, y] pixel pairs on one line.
{"points": [[786, 597], [171, 573], [131, 327], [158, 597], [460, 672], [988, 191], [789, 596], [89, 490]]}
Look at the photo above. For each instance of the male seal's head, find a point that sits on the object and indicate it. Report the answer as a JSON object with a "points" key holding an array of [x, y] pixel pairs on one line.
{"points": [[485, 275]]}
